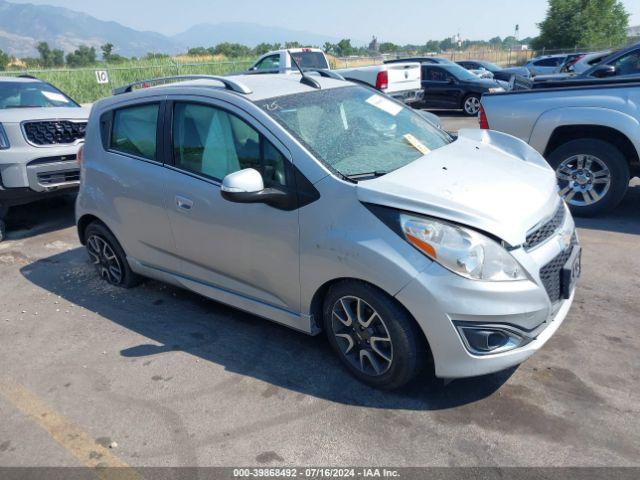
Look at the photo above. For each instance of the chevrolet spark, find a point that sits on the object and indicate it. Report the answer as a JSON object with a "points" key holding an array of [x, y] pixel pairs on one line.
{"points": [[326, 206]]}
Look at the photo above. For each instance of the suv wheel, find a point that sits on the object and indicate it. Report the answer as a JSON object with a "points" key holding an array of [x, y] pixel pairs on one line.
{"points": [[593, 175], [374, 337], [471, 105], [107, 256]]}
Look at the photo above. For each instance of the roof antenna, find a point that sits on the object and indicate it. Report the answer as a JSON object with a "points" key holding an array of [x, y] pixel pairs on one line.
{"points": [[306, 80]]}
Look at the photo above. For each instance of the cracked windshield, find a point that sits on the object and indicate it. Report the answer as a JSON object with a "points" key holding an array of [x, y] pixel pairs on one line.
{"points": [[356, 131]]}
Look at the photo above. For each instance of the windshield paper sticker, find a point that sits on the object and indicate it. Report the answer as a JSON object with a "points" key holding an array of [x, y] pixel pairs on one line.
{"points": [[385, 105], [417, 144]]}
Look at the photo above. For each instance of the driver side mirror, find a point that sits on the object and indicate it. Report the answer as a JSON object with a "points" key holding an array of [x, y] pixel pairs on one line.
{"points": [[247, 186], [604, 71], [451, 80]]}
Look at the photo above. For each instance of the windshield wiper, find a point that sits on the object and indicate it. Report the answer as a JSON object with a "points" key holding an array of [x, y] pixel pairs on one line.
{"points": [[361, 176]]}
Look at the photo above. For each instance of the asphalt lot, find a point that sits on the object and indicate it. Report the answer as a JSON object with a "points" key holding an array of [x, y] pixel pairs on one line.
{"points": [[156, 376]]}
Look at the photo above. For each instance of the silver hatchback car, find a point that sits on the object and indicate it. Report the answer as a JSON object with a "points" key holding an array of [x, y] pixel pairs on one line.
{"points": [[324, 205]]}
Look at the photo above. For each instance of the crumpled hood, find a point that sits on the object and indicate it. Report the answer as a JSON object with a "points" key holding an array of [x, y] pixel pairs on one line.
{"points": [[17, 115], [487, 180]]}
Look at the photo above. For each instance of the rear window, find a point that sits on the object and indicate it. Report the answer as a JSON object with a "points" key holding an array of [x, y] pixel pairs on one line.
{"points": [[310, 59], [134, 131]]}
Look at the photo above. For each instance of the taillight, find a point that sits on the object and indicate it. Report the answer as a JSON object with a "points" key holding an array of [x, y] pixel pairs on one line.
{"points": [[482, 118], [80, 154], [382, 81]]}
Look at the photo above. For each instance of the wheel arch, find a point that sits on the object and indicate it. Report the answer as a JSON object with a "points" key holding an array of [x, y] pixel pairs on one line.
{"points": [[566, 133], [317, 301], [83, 222], [469, 93]]}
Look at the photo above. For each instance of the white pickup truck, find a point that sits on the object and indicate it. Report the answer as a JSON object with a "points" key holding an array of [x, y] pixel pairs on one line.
{"points": [[402, 81]]}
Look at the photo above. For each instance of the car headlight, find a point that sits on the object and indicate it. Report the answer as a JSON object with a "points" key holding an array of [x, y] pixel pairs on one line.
{"points": [[496, 90], [461, 250], [4, 139]]}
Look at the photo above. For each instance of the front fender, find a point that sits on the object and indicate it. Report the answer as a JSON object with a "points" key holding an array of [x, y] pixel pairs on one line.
{"points": [[549, 121]]}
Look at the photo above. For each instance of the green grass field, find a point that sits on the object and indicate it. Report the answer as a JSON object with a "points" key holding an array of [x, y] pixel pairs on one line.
{"points": [[82, 86]]}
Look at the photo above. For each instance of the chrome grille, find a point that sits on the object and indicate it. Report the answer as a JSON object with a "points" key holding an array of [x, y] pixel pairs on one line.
{"points": [[54, 132], [550, 273], [547, 230]]}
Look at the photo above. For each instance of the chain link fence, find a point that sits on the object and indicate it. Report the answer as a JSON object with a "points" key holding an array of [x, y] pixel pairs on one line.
{"points": [[504, 58]]}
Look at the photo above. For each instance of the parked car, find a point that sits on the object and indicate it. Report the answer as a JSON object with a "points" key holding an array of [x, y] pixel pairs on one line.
{"points": [[547, 64], [279, 61], [624, 63], [453, 87], [587, 61], [570, 61], [400, 81], [328, 206], [503, 74], [575, 70], [589, 134], [40, 129], [481, 73]]}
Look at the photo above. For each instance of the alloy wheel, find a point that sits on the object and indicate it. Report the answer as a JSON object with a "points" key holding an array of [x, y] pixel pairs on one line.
{"points": [[583, 179], [362, 336], [105, 259], [472, 105]]}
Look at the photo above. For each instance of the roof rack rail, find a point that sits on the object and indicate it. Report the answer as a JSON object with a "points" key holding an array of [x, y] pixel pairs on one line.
{"points": [[228, 83], [24, 75]]}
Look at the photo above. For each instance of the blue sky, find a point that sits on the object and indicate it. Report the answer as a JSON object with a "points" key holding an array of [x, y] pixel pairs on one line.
{"points": [[399, 21]]}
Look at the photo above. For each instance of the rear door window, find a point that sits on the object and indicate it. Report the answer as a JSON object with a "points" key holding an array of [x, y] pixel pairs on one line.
{"points": [[435, 74], [134, 130]]}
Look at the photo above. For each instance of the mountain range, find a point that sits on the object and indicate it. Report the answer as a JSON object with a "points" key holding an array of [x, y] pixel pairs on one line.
{"points": [[23, 26]]}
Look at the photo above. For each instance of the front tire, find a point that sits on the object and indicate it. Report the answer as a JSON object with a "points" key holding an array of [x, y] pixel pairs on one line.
{"points": [[471, 105], [108, 257], [593, 175], [374, 337]]}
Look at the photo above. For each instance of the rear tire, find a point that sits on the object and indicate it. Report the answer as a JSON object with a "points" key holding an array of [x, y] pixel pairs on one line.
{"points": [[471, 105], [108, 257], [593, 175], [374, 337]]}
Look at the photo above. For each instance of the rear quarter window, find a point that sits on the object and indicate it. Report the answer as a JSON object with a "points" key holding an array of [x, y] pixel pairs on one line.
{"points": [[134, 130]]}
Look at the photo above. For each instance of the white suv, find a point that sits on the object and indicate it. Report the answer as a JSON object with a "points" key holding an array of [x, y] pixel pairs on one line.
{"points": [[40, 129]]}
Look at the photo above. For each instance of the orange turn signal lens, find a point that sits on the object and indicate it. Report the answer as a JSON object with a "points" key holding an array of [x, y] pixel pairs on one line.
{"points": [[422, 246]]}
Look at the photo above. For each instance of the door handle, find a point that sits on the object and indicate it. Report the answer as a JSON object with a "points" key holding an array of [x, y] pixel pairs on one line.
{"points": [[184, 203]]}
